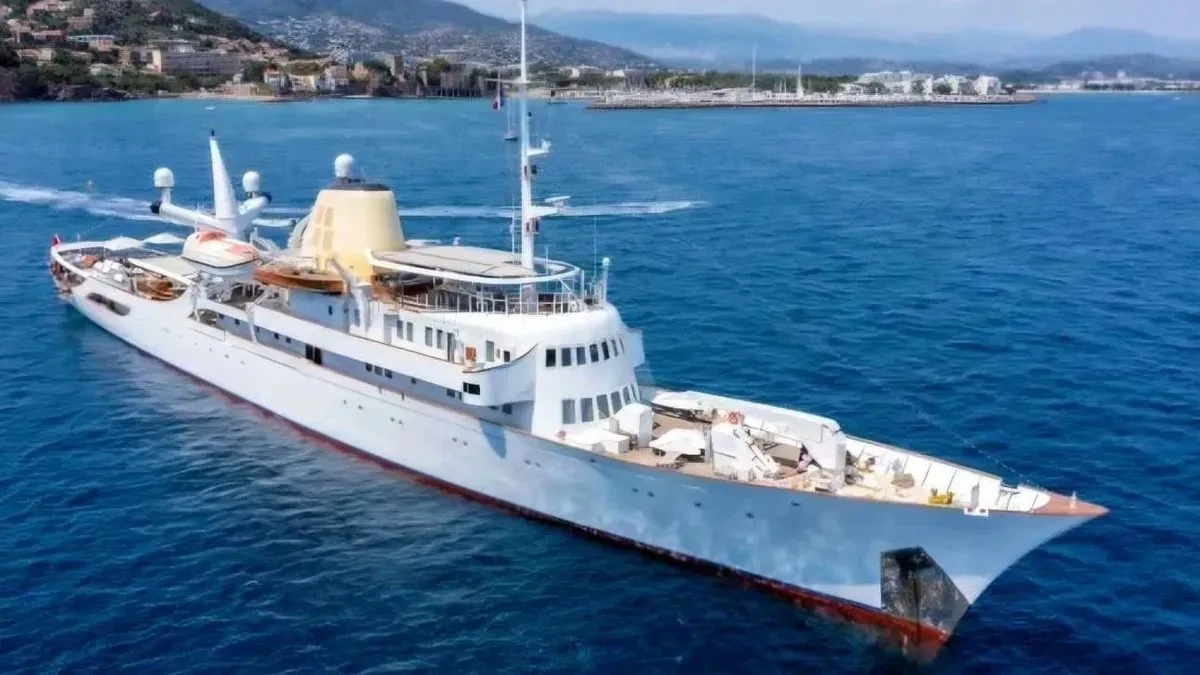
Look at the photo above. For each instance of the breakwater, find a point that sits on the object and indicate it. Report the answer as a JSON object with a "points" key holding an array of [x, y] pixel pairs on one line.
{"points": [[646, 102]]}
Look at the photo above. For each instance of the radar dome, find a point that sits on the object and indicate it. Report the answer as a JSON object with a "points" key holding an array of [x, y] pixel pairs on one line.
{"points": [[252, 182], [342, 166], [164, 179]]}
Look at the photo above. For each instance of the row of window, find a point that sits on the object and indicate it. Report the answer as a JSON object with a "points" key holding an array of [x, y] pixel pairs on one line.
{"points": [[378, 370], [601, 407], [316, 355], [442, 339], [598, 351]]}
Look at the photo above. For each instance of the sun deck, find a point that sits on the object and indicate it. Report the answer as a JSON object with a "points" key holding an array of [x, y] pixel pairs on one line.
{"points": [[873, 471]]}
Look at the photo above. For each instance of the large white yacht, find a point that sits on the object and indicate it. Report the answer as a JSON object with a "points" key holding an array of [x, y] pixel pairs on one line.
{"points": [[513, 378]]}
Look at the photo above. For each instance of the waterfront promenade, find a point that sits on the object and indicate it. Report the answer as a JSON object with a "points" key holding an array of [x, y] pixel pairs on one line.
{"points": [[716, 100]]}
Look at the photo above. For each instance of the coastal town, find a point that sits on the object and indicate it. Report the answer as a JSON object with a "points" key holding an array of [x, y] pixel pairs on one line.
{"points": [[118, 49]]}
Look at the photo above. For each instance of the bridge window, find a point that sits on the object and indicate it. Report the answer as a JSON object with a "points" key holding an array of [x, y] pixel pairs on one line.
{"points": [[568, 411], [566, 356], [604, 348], [615, 397], [585, 410], [428, 336], [602, 405], [441, 338], [580, 356], [471, 388], [489, 351], [621, 340], [625, 394], [616, 352], [551, 357], [506, 356], [408, 331], [595, 352]]}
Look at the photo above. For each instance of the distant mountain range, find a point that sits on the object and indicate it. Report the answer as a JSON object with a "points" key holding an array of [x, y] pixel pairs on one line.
{"points": [[416, 28], [724, 41]]}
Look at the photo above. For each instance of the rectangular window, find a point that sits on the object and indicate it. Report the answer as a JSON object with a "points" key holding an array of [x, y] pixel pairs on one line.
{"points": [[604, 348], [614, 346], [330, 310], [625, 394], [506, 408], [428, 336], [634, 388], [568, 411], [507, 355], [387, 373], [580, 355], [615, 397], [621, 340], [368, 366], [602, 405], [585, 410], [451, 393], [471, 388], [489, 351], [595, 352], [566, 356], [551, 357], [276, 336], [237, 322], [378, 370], [441, 338], [408, 330]]}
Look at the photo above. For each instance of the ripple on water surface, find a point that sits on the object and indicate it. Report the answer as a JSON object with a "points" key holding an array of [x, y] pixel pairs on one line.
{"points": [[998, 287]]}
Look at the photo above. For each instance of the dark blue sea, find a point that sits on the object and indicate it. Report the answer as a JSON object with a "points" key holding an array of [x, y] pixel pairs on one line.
{"points": [[1013, 288]]}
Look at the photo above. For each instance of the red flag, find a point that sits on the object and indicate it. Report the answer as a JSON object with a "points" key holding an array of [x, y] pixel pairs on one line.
{"points": [[55, 241]]}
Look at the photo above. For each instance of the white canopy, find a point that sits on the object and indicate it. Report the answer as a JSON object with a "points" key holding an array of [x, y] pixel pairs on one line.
{"points": [[122, 244], [163, 239]]}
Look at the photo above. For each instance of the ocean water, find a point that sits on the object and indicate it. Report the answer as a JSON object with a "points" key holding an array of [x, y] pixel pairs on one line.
{"points": [[1013, 288]]}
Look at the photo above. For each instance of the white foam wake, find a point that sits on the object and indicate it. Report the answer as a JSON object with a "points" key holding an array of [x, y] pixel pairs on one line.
{"points": [[97, 204], [628, 209], [70, 200], [135, 209]]}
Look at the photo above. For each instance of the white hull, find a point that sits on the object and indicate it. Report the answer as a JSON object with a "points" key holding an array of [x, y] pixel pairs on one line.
{"points": [[809, 542]]}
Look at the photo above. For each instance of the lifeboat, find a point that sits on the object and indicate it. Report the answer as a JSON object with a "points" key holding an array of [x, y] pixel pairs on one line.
{"points": [[289, 276], [216, 249]]}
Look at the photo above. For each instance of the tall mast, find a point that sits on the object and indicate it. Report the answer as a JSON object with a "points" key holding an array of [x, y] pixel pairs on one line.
{"points": [[529, 223], [753, 62]]}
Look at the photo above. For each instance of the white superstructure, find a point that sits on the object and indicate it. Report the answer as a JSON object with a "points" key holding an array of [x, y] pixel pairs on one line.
{"points": [[513, 377]]}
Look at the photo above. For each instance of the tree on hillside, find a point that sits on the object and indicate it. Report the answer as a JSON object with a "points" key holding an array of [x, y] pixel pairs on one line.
{"points": [[942, 89], [252, 71]]}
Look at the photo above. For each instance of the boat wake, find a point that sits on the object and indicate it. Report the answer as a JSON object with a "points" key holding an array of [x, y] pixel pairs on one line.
{"points": [[110, 206], [69, 200], [626, 209], [105, 206]]}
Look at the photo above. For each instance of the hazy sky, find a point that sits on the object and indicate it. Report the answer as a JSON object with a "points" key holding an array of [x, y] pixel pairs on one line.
{"points": [[1166, 17]]}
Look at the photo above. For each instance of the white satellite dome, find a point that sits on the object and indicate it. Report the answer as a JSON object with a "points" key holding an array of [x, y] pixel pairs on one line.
{"points": [[164, 179], [343, 165], [252, 182]]}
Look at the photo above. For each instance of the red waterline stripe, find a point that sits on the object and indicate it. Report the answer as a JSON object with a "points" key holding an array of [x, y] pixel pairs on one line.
{"points": [[922, 639]]}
